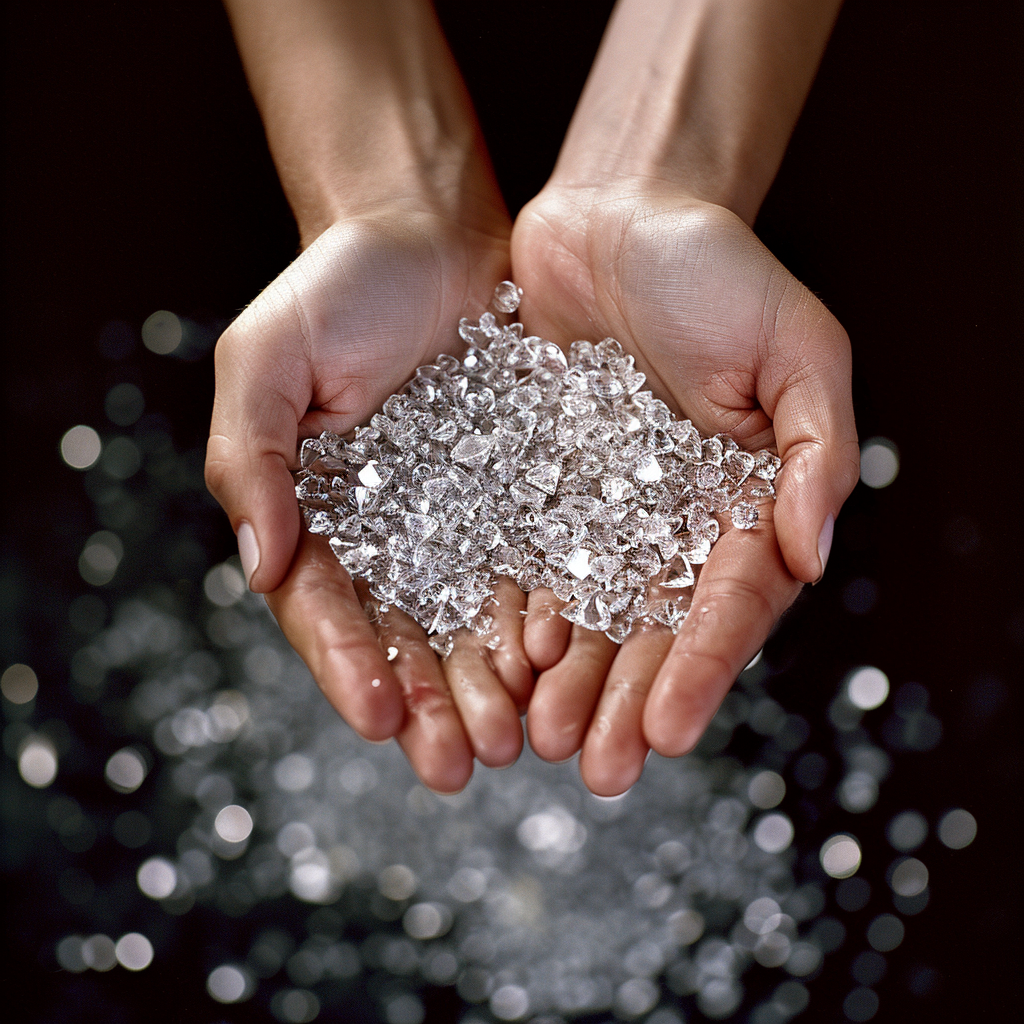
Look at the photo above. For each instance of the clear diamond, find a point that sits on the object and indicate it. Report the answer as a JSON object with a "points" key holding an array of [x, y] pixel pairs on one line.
{"points": [[744, 515], [578, 563], [474, 450], [493, 466], [648, 470], [507, 297], [544, 476]]}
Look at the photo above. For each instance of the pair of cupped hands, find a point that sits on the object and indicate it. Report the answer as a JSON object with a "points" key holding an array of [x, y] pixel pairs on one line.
{"points": [[726, 336]]}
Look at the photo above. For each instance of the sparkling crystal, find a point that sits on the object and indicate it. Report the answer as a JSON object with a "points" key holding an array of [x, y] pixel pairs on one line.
{"points": [[648, 470], [474, 450], [544, 476], [578, 563], [744, 515], [676, 574], [507, 297], [516, 461]]}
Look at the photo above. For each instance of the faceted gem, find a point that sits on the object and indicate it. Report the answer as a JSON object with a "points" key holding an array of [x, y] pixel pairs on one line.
{"points": [[744, 515], [516, 461], [474, 450], [648, 470], [544, 476], [507, 297]]}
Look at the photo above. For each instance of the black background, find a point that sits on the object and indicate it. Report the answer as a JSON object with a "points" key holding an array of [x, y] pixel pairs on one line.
{"points": [[136, 178]]}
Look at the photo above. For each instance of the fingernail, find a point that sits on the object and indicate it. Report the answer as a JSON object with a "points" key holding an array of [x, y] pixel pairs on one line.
{"points": [[248, 550], [825, 542]]}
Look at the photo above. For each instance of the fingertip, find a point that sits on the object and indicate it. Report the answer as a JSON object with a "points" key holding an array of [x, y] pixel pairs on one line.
{"points": [[447, 776], [514, 670], [500, 750], [674, 719], [545, 634], [552, 738], [609, 781], [803, 521], [373, 703], [248, 550]]}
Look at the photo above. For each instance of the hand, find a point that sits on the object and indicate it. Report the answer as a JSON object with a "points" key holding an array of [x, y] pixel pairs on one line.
{"points": [[322, 347], [730, 339]]}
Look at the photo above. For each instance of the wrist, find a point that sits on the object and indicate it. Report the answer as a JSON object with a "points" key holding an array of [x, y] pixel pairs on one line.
{"points": [[696, 97], [450, 183]]}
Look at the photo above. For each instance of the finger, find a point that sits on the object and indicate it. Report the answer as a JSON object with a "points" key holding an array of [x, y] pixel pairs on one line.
{"points": [[742, 590], [615, 750], [810, 401], [263, 389], [565, 696], [508, 658], [488, 713], [432, 736], [545, 632], [322, 618]]}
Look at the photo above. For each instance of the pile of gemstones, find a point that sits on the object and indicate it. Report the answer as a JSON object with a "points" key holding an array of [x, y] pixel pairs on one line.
{"points": [[517, 461]]}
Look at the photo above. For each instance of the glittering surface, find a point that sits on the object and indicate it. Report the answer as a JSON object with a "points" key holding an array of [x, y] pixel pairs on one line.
{"points": [[518, 461]]}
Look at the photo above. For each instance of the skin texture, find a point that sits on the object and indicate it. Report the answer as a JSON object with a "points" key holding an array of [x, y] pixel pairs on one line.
{"points": [[642, 233]]}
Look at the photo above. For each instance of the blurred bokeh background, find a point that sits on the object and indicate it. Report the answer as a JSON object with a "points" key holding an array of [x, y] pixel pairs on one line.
{"points": [[141, 212]]}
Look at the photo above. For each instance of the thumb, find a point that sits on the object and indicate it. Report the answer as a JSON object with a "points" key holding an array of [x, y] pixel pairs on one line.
{"points": [[253, 436], [811, 406]]}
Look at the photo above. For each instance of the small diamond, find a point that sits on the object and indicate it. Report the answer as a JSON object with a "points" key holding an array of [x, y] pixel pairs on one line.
{"points": [[744, 515], [507, 297], [648, 470], [558, 473], [579, 563], [474, 450], [544, 476]]}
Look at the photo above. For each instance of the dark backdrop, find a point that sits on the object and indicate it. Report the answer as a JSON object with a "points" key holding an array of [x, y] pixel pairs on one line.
{"points": [[136, 178]]}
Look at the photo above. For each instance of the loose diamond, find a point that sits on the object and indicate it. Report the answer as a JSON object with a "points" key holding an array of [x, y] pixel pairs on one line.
{"points": [[518, 462], [744, 515], [507, 297]]}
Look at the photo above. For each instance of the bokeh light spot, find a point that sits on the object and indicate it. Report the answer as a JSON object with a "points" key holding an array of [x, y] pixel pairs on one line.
{"points": [[121, 458], [80, 447], [19, 684], [228, 984], [37, 761], [861, 1004], [125, 770], [958, 829], [886, 932], [124, 404], [233, 823], [157, 878], [161, 332], [510, 1002], [867, 688], [224, 585], [134, 951], [100, 558], [98, 952], [909, 877], [907, 831], [773, 833], [879, 462], [840, 855], [766, 790]]}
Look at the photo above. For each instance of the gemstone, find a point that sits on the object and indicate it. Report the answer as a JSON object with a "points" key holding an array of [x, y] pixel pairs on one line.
{"points": [[516, 461], [507, 297], [744, 515]]}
